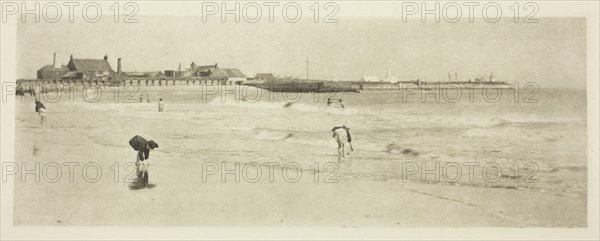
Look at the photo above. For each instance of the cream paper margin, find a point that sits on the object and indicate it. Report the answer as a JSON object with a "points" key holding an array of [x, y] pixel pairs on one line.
{"points": [[588, 9]]}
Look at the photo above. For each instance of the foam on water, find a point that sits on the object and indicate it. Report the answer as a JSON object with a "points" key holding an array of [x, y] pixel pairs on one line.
{"points": [[272, 135], [386, 133], [284, 106]]}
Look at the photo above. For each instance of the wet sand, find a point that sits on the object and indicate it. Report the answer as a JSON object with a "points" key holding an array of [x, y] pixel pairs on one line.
{"points": [[97, 134]]}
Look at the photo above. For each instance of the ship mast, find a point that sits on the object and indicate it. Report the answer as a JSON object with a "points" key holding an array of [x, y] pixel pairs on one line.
{"points": [[307, 67]]}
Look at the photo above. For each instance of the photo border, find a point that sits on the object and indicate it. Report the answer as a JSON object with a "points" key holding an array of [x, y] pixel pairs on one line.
{"points": [[588, 9]]}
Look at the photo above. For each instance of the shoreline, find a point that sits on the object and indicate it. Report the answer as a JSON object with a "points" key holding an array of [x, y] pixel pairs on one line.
{"points": [[279, 86], [181, 197]]}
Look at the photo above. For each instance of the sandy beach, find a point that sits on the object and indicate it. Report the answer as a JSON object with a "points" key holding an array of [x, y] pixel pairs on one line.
{"points": [[366, 189]]}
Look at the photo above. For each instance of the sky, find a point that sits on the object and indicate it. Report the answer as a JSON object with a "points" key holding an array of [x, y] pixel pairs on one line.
{"points": [[551, 53]]}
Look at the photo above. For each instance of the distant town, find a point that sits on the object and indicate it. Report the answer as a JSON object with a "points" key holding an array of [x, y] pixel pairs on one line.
{"points": [[100, 72]]}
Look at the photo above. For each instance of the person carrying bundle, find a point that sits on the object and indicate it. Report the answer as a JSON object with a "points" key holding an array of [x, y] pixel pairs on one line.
{"points": [[341, 134]]}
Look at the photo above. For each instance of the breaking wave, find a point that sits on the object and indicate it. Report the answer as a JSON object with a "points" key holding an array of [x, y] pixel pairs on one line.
{"points": [[283, 105], [271, 135]]}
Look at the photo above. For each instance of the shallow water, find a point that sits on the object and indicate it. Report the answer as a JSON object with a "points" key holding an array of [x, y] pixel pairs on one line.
{"points": [[539, 147]]}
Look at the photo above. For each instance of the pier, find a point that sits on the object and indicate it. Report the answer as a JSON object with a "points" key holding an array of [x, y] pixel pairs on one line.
{"points": [[30, 85]]}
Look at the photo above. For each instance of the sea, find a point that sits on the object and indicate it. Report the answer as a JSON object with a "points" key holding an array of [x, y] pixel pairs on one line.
{"points": [[523, 138]]}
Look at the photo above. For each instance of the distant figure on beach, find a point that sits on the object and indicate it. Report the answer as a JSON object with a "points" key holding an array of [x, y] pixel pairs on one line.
{"points": [[41, 110], [38, 105], [143, 148], [141, 98], [42, 114], [147, 98], [341, 134], [161, 105]]}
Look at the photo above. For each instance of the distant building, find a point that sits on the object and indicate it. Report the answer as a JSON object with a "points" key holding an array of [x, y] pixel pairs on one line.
{"points": [[212, 71], [264, 76], [370, 79], [173, 73], [146, 74], [52, 71], [235, 76], [390, 78], [231, 75], [89, 69]]}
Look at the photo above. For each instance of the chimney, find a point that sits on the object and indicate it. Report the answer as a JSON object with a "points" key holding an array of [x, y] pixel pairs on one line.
{"points": [[54, 60], [71, 58], [119, 65], [105, 57], [215, 65]]}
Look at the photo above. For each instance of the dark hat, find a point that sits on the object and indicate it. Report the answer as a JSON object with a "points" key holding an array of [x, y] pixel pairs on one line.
{"points": [[152, 144]]}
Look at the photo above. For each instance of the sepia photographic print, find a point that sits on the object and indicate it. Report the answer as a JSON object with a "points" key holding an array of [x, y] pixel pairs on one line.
{"points": [[299, 120]]}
